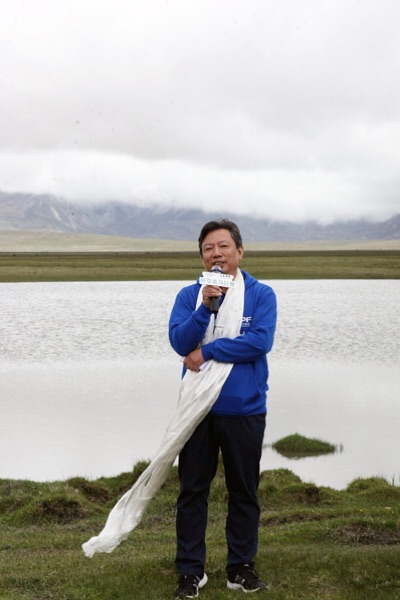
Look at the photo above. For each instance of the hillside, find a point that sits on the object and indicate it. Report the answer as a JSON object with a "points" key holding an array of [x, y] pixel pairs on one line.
{"points": [[44, 213]]}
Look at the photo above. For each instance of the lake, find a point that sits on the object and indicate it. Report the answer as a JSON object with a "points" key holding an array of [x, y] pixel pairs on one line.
{"points": [[88, 381]]}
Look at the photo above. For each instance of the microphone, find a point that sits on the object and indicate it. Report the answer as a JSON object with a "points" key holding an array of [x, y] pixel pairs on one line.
{"points": [[214, 306]]}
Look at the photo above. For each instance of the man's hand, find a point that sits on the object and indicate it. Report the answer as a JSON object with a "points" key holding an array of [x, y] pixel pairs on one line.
{"points": [[194, 360], [210, 291]]}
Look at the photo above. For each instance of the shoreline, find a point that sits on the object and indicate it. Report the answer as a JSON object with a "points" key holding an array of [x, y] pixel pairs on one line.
{"points": [[186, 265]]}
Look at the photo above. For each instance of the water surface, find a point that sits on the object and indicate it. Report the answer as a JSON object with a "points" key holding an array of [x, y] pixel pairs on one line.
{"points": [[89, 381]]}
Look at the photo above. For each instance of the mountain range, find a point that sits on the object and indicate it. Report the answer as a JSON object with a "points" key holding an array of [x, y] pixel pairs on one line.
{"points": [[21, 212]]}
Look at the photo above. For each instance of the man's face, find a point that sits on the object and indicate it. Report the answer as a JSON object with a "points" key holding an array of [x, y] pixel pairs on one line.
{"points": [[219, 248]]}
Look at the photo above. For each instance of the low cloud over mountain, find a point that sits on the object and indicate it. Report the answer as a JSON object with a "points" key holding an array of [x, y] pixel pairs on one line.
{"points": [[48, 213]]}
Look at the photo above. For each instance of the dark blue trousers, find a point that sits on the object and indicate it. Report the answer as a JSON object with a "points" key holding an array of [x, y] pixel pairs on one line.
{"points": [[240, 440]]}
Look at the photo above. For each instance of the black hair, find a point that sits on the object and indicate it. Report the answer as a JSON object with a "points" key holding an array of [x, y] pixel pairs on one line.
{"points": [[220, 224]]}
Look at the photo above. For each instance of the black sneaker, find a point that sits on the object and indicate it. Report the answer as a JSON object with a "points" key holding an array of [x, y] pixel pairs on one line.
{"points": [[189, 585], [246, 579]]}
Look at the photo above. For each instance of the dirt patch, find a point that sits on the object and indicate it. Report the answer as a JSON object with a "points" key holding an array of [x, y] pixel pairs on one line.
{"points": [[366, 535]]}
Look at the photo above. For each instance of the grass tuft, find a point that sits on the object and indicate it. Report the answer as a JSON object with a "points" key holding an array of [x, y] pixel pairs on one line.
{"points": [[58, 509], [298, 446]]}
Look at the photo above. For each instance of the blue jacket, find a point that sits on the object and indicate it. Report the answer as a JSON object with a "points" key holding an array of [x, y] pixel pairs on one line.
{"points": [[245, 390]]}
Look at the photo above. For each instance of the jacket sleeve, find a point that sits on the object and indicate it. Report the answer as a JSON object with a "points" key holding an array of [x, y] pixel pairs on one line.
{"points": [[257, 341], [187, 325]]}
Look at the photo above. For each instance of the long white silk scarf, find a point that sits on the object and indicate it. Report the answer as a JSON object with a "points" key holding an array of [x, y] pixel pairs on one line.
{"points": [[197, 393]]}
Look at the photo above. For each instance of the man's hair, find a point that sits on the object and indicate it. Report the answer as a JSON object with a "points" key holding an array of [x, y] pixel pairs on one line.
{"points": [[220, 224]]}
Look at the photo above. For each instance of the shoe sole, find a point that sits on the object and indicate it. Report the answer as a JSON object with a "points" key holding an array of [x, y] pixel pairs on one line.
{"points": [[203, 582], [238, 586]]}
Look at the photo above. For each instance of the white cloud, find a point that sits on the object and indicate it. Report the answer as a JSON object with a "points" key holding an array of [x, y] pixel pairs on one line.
{"points": [[289, 109]]}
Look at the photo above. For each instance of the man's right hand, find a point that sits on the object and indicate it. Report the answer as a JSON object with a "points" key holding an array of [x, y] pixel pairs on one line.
{"points": [[194, 360], [210, 291]]}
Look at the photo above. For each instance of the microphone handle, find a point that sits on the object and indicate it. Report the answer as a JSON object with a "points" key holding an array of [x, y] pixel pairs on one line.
{"points": [[214, 306]]}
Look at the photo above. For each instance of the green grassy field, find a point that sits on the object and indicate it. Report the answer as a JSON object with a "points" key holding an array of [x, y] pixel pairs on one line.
{"points": [[315, 542], [109, 266]]}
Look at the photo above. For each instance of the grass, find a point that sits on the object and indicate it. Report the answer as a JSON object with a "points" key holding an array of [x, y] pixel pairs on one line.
{"points": [[297, 446], [122, 266], [315, 542]]}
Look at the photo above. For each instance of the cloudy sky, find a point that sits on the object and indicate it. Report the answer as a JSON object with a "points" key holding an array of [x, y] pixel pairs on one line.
{"points": [[286, 108]]}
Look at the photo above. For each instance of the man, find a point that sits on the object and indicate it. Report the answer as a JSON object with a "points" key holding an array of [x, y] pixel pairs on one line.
{"points": [[235, 425]]}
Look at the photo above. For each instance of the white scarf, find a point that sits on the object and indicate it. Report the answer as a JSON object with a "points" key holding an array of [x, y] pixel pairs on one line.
{"points": [[197, 394]]}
